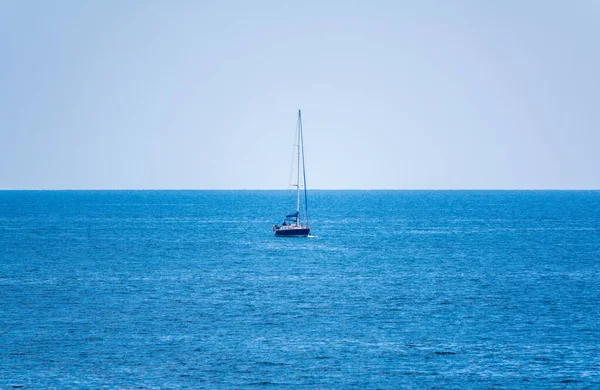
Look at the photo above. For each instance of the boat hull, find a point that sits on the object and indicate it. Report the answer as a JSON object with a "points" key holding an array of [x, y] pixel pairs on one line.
{"points": [[302, 232]]}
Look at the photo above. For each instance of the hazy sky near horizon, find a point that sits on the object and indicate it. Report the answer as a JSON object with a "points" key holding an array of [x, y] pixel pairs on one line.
{"points": [[394, 94]]}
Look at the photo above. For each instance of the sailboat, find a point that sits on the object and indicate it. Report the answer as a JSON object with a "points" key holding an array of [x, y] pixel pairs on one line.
{"points": [[291, 225]]}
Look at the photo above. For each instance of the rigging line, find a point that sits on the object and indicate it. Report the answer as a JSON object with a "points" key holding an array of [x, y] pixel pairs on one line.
{"points": [[290, 185]]}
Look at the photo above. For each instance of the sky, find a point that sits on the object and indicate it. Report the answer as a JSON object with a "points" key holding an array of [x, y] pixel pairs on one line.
{"points": [[182, 94]]}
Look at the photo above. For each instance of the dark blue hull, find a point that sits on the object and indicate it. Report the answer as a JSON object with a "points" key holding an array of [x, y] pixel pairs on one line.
{"points": [[292, 232]]}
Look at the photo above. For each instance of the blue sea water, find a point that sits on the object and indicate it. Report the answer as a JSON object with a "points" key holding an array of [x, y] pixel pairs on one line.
{"points": [[422, 289]]}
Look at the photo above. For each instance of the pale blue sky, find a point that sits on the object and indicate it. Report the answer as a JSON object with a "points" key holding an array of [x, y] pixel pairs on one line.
{"points": [[398, 95]]}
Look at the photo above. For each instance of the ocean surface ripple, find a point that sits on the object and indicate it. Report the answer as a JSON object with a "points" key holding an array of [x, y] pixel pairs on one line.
{"points": [[426, 289]]}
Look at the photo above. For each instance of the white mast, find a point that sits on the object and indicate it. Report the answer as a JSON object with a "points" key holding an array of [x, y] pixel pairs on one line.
{"points": [[303, 172], [299, 126]]}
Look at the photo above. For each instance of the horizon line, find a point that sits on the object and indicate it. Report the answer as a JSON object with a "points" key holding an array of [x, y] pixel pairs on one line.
{"points": [[287, 189]]}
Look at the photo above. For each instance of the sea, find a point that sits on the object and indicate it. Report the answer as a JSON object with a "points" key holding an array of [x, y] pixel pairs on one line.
{"points": [[393, 289]]}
